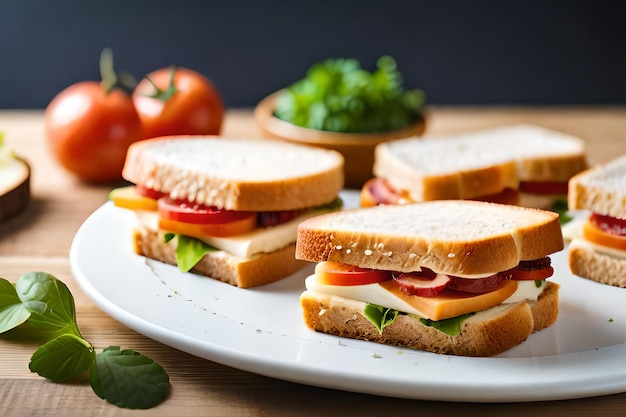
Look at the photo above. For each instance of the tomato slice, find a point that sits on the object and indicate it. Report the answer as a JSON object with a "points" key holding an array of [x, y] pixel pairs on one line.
{"points": [[147, 192], [336, 273], [186, 212], [608, 224], [598, 236], [543, 187], [232, 228]]}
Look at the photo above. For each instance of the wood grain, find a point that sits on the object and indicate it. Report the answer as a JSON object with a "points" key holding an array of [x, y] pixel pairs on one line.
{"points": [[40, 238]]}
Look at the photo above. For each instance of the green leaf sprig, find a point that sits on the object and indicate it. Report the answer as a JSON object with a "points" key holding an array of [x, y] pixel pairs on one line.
{"points": [[122, 377], [338, 95]]}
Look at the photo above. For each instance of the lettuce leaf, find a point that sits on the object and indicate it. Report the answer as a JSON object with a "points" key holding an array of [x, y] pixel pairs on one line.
{"points": [[379, 316], [451, 326], [189, 250]]}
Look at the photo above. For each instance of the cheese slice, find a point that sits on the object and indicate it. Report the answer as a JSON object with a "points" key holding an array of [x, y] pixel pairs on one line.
{"points": [[260, 240]]}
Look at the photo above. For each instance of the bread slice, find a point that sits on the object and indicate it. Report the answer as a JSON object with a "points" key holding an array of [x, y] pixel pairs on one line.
{"points": [[455, 237], [585, 260], [601, 189], [14, 187], [545, 310], [476, 164], [237, 174], [487, 333], [242, 272]]}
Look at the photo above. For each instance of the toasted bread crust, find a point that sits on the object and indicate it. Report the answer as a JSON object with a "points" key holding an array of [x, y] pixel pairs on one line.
{"points": [[454, 237], [588, 263], [600, 189], [244, 273], [237, 174], [545, 310], [485, 334]]}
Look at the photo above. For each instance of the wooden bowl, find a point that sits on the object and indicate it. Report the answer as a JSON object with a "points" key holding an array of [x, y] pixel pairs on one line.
{"points": [[356, 148]]}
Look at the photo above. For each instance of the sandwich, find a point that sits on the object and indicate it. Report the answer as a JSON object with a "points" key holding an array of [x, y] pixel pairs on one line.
{"points": [[453, 277], [597, 250], [226, 208], [523, 165], [14, 183]]}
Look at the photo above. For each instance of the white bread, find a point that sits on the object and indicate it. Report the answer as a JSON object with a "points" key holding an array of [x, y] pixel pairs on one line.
{"points": [[601, 189], [486, 333], [479, 163], [14, 187], [244, 273], [237, 174], [588, 262], [455, 237]]}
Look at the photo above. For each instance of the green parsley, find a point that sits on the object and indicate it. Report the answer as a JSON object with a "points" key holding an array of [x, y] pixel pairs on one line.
{"points": [[125, 378], [338, 95]]}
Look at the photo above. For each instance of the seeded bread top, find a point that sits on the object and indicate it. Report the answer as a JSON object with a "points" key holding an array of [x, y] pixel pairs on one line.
{"points": [[454, 237]]}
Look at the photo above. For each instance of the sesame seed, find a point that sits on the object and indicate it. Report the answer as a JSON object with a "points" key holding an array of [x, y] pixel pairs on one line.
{"points": [[348, 250], [367, 252], [339, 247]]}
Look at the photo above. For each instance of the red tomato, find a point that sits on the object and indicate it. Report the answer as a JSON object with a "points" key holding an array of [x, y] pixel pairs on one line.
{"points": [[149, 192], [530, 270], [608, 224], [543, 187], [335, 273], [595, 234], [178, 101], [186, 212], [89, 131]]}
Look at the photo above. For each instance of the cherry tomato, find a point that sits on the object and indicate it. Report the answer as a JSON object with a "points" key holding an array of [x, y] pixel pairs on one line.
{"points": [[336, 273], [600, 237], [186, 212], [233, 228], [178, 101], [89, 131]]}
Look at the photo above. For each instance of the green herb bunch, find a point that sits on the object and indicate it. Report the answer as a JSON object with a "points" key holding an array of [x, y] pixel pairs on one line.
{"points": [[338, 95], [122, 377]]}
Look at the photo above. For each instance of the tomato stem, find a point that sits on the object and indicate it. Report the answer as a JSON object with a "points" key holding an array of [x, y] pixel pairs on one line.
{"points": [[164, 95], [111, 79]]}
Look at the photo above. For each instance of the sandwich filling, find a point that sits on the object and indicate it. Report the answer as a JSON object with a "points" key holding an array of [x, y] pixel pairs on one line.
{"points": [[600, 233], [429, 295], [200, 229], [535, 194]]}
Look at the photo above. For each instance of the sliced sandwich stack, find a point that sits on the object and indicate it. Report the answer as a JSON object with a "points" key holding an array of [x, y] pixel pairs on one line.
{"points": [[598, 251], [455, 277], [227, 208], [524, 164]]}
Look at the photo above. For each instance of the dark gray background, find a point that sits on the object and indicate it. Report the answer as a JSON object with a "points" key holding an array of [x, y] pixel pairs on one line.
{"points": [[458, 52]]}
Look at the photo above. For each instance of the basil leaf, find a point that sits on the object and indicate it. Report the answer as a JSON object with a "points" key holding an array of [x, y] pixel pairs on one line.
{"points": [[451, 326], [34, 288], [12, 311], [379, 316], [189, 252], [128, 379], [62, 358]]}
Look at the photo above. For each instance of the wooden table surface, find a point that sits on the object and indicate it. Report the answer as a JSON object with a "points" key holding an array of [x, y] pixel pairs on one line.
{"points": [[40, 238]]}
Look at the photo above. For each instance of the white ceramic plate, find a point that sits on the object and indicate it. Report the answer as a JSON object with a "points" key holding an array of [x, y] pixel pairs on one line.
{"points": [[260, 330]]}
